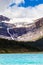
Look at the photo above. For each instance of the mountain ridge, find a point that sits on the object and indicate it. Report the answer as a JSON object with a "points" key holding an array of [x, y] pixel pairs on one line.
{"points": [[27, 32], [4, 18]]}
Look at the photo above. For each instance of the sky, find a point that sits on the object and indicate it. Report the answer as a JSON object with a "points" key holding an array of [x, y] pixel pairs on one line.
{"points": [[28, 3], [21, 3], [22, 8]]}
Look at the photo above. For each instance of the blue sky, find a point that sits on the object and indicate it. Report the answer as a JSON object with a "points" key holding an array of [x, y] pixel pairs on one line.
{"points": [[29, 3]]}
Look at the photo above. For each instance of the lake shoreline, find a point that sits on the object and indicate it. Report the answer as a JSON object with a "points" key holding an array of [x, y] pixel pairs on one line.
{"points": [[10, 46]]}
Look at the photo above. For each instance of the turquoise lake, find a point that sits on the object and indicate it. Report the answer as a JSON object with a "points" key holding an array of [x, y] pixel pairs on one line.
{"points": [[20, 59]]}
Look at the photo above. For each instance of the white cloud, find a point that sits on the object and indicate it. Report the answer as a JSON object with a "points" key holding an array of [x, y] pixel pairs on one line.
{"points": [[14, 12], [5, 3], [20, 20], [18, 1], [22, 12], [29, 12]]}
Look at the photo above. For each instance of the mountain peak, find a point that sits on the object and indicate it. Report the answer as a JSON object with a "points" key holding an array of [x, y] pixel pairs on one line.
{"points": [[4, 18]]}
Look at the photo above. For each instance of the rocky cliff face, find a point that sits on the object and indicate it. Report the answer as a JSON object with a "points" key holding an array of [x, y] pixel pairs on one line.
{"points": [[30, 32], [3, 18], [27, 32]]}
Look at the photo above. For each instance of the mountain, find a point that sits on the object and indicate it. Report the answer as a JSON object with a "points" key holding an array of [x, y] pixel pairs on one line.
{"points": [[29, 35], [3, 18], [3, 26], [25, 32]]}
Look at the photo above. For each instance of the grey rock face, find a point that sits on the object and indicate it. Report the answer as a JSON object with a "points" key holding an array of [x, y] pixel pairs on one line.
{"points": [[3, 18], [29, 32]]}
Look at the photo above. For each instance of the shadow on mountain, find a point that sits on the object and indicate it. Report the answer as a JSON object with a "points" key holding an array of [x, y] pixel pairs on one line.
{"points": [[9, 46]]}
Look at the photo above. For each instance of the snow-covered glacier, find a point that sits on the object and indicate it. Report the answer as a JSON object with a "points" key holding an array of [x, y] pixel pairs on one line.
{"points": [[21, 29]]}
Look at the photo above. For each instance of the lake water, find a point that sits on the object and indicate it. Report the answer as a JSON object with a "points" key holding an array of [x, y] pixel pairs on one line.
{"points": [[21, 59]]}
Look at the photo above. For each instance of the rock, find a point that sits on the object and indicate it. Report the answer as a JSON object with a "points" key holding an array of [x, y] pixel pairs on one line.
{"points": [[27, 32], [34, 32], [3, 18]]}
